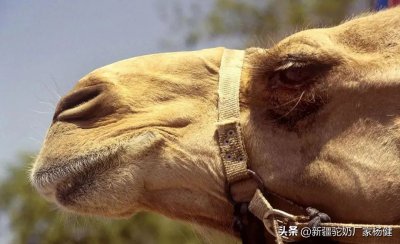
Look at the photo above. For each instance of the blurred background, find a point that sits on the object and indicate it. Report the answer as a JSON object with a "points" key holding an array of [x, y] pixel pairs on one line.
{"points": [[46, 46]]}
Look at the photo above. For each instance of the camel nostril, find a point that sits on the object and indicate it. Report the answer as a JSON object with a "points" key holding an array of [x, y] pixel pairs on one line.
{"points": [[74, 100]]}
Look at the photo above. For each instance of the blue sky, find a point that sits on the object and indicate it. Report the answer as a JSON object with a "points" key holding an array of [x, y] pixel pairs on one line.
{"points": [[46, 46]]}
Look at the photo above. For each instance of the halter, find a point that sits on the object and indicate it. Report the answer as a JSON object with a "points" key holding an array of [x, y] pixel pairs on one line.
{"points": [[254, 215]]}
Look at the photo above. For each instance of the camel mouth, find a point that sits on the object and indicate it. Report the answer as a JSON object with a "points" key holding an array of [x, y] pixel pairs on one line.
{"points": [[53, 181], [75, 187], [65, 181]]}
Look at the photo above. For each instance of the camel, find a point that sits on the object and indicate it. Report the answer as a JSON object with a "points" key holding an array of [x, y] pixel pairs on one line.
{"points": [[319, 113]]}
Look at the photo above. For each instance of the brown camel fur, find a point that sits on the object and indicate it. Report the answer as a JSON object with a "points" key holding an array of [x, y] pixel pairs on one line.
{"points": [[320, 113]]}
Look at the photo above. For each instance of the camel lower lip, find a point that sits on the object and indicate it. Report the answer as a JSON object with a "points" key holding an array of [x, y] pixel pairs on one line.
{"points": [[73, 188], [48, 180], [61, 176]]}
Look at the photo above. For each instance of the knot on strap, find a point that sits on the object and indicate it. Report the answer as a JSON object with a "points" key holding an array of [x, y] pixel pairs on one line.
{"points": [[316, 217], [240, 212]]}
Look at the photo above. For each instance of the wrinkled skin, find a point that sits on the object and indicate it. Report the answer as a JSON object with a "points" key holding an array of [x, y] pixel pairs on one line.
{"points": [[320, 113]]}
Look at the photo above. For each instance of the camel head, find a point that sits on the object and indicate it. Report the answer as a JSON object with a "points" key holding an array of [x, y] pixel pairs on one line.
{"points": [[320, 115]]}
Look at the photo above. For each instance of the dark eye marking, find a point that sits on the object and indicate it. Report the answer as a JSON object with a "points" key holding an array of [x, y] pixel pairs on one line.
{"points": [[296, 75], [297, 90]]}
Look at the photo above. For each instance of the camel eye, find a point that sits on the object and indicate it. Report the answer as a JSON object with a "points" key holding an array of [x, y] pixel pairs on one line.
{"points": [[295, 76]]}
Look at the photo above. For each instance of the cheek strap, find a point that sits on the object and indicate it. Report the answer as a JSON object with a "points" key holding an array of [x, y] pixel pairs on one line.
{"points": [[233, 154], [232, 149]]}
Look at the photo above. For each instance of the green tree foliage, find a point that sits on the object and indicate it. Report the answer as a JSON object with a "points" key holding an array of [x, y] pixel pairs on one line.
{"points": [[33, 220], [254, 20]]}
